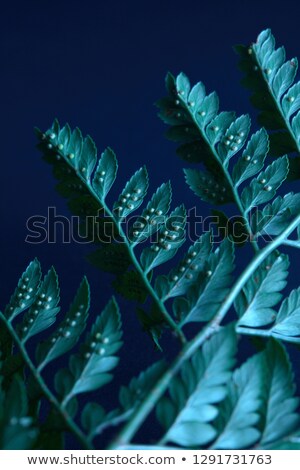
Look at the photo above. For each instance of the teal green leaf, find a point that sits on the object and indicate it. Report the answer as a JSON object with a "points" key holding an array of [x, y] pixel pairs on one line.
{"points": [[271, 80], [153, 216], [75, 148], [188, 412], [254, 305], [105, 173], [284, 77], [183, 276], [279, 408], [43, 311], [182, 133], [139, 387], [281, 143], [253, 157], [264, 187], [170, 237], [170, 112], [131, 286], [239, 414], [296, 124], [133, 194], [287, 321], [195, 152], [275, 217], [92, 415], [183, 86], [68, 332], [212, 286], [63, 136], [25, 293], [208, 186], [152, 323], [207, 111], [88, 158], [111, 258], [197, 95], [291, 101], [290, 443], [89, 369], [233, 228], [234, 138], [17, 430]]}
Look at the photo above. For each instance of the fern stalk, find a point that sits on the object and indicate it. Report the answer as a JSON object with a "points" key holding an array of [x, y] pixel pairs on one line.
{"points": [[263, 333], [69, 422], [190, 348]]}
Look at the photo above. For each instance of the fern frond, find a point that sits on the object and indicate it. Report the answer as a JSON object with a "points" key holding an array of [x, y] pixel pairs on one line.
{"points": [[170, 237], [94, 419], [43, 311], [287, 323], [153, 215], [182, 277], [260, 294], [88, 370], [212, 284], [254, 305], [74, 160], [111, 258], [140, 386], [133, 194], [68, 332], [213, 139], [264, 187], [237, 422], [271, 79], [209, 187], [275, 217], [105, 173], [253, 158], [23, 297], [191, 406], [17, 428]]}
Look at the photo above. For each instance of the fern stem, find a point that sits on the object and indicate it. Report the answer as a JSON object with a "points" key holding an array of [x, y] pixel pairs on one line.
{"points": [[71, 425], [229, 180], [189, 349], [293, 243], [252, 331]]}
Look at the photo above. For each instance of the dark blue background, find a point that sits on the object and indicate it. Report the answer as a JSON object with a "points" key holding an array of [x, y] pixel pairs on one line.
{"points": [[101, 65]]}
